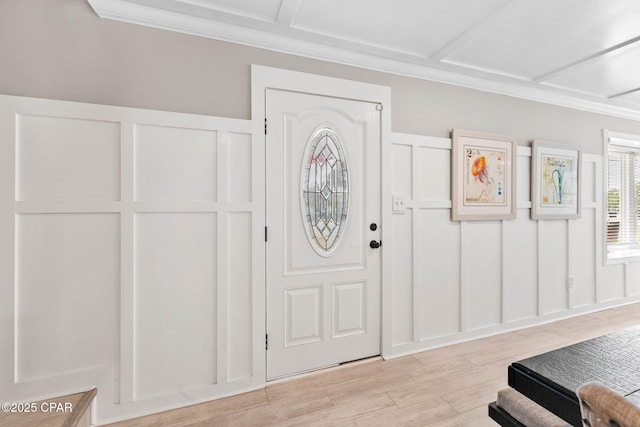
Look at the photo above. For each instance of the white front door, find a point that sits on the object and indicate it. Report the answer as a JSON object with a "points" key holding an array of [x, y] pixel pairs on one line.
{"points": [[323, 221]]}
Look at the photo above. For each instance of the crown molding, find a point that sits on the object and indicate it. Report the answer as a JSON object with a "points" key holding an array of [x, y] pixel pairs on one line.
{"points": [[368, 57]]}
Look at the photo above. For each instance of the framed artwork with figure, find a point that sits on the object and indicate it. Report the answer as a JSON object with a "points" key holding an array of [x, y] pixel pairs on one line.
{"points": [[555, 180], [483, 177]]}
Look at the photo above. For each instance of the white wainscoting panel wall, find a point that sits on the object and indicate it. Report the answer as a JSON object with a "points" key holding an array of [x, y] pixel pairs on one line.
{"points": [[454, 281], [132, 256]]}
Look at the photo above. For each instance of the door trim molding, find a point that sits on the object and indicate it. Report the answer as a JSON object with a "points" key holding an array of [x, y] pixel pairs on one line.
{"points": [[263, 78]]}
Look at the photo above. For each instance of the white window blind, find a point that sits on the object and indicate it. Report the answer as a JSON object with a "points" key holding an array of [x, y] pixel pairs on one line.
{"points": [[623, 198]]}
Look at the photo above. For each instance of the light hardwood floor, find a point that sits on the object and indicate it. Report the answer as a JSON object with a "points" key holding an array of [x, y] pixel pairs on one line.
{"points": [[445, 387]]}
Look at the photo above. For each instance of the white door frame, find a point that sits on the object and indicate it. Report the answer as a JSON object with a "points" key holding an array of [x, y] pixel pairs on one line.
{"points": [[263, 78]]}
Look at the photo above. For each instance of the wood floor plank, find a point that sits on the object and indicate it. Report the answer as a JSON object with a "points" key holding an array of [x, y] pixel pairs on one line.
{"points": [[423, 413], [441, 364], [367, 386], [419, 391], [477, 417], [208, 411], [276, 413], [347, 414], [477, 395]]}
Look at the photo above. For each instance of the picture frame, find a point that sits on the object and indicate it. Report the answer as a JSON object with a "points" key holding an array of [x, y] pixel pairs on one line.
{"points": [[483, 176], [555, 180]]}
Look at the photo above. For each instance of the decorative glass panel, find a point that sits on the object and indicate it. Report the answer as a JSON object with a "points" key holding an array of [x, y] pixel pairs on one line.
{"points": [[325, 191]]}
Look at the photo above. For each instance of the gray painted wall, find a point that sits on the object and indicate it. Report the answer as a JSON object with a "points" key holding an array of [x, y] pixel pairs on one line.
{"points": [[61, 49]]}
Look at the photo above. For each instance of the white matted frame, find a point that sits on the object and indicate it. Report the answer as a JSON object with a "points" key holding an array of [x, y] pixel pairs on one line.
{"points": [[555, 181], [483, 176]]}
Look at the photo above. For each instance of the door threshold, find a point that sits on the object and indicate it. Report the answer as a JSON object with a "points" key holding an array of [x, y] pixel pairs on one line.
{"points": [[324, 369], [361, 361]]}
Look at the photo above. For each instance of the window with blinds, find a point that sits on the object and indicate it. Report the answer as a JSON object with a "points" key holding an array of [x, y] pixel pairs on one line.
{"points": [[623, 196]]}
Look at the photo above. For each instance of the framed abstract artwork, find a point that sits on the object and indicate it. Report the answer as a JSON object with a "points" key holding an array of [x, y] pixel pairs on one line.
{"points": [[555, 180], [483, 176]]}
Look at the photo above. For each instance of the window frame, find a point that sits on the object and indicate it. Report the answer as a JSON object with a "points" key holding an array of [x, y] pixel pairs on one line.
{"points": [[625, 252]]}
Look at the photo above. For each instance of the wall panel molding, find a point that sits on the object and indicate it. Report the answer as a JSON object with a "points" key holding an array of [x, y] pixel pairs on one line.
{"points": [[528, 279], [134, 220]]}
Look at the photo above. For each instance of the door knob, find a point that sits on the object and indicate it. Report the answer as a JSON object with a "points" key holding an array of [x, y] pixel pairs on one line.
{"points": [[374, 245]]}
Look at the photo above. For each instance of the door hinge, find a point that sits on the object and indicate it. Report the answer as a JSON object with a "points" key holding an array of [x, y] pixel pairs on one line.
{"points": [[265, 126], [266, 341], [265, 234]]}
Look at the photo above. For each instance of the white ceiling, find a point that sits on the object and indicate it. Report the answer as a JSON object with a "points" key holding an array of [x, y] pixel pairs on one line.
{"points": [[579, 53]]}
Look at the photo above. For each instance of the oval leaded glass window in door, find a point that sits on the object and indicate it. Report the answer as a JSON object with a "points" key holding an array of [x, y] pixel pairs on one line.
{"points": [[325, 191]]}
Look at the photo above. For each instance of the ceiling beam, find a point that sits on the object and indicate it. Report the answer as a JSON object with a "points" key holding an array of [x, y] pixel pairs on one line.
{"points": [[287, 12], [626, 92], [474, 31], [584, 61]]}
